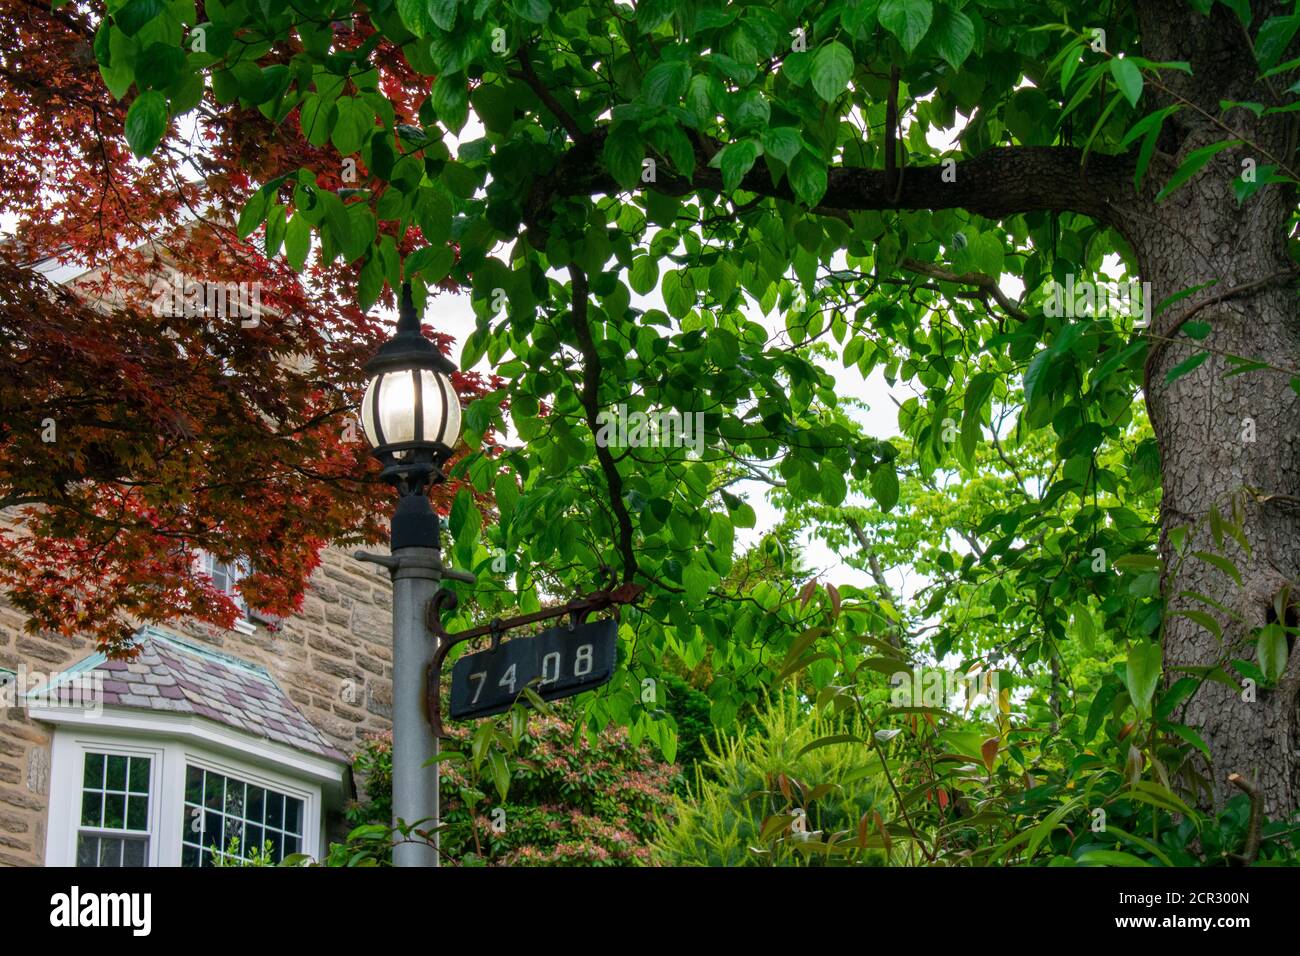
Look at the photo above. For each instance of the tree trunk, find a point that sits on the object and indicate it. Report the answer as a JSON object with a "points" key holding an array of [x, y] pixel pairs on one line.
{"points": [[1231, 443]]}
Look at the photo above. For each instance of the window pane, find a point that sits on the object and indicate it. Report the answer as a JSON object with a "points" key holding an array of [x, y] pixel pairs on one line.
{"points": [[116, 773], [256, 804], [87, 850], [105, 804], [92, 809], [193, 785], [213, 791], [234, 798], [110, 851], [211, 831], [275, 810], [114, 811], [133, 853], [139, 775], [137, 813], [243, 812], [94, 774]]}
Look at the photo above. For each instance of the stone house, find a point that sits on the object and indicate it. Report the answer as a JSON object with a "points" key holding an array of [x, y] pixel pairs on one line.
{"points": [[208, 735]]}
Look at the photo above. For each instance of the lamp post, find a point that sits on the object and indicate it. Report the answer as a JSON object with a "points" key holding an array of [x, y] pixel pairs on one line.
{"points": [[411, 417]]}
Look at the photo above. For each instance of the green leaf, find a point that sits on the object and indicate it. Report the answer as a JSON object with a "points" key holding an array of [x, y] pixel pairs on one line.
{"points": [[782, 143], [1222, 563], [1142, 674], [808, 178], [534, 11], [355, 123], [1110, 858], [1128, 78], [159, 66], [1192, 164], [884, 485], [317, 117], [1185, 366], [665, 84], [1100, 707], [132, 18], [414, 15], [1149, 129], [953, 35], [678, 296], [146, 121], [443, 13], [1275, 35], [906, 19], [697, 582], [735, 160], [1202, 618], [644, 274], [450, 100], [623, 153], [254, 211], [832, 67], [297, 242], [500, 773]]}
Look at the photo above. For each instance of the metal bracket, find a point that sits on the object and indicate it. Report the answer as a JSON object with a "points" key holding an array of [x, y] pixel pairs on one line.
{"points": [[392, 564], [577, 610]]}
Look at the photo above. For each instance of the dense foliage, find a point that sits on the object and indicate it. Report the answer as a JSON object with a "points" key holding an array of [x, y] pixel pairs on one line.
{"points": [[570, 799], [722, 211]]}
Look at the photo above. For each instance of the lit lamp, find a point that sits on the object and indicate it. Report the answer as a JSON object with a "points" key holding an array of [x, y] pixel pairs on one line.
{"points": [[411, 417]]}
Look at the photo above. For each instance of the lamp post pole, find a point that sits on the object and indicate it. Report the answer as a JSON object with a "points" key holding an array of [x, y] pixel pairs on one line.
{"points": [[416, 568], [411, 417]]}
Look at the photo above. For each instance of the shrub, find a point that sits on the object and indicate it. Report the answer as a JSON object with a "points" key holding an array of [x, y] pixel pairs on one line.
{"points": [[570, 802], [739, 797]]}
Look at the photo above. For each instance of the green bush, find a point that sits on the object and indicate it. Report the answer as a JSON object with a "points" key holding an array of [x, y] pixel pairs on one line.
{"points": [[767, 778], [569, 802]]}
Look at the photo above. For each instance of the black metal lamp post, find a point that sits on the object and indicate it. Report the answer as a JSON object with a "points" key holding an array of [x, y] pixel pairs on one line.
{"points": [[411, 417]]}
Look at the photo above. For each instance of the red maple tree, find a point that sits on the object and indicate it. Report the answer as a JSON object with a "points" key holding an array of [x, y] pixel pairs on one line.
{"points": [[130, 435]]}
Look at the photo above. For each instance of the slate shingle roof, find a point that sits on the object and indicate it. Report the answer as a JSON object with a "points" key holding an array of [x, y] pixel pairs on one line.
{"points": [[172, 675]]}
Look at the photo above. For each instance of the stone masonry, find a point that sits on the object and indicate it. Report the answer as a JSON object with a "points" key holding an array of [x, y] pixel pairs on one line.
{"points": [[334, 660]]}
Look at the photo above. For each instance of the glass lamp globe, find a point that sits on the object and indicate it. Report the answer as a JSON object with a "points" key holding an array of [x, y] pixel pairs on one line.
{"points": [[405, 408], [410, 413]]}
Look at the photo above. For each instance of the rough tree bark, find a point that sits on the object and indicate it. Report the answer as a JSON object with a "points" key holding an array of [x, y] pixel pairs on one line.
{"points": [[1224, 438]]}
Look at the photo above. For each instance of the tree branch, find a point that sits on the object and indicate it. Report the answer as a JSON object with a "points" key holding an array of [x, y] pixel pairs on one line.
{"points": [[986, 283], [997, 183], [1256, 818], [529, 75], [590, 396]]}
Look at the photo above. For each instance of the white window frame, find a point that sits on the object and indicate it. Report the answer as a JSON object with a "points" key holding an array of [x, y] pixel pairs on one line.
{"points": [[71, 793], [225, 752], [244, 773], [204, 561]]}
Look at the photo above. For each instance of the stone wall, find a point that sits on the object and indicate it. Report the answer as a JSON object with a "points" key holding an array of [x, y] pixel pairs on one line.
{"points": [[334, 660]]}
